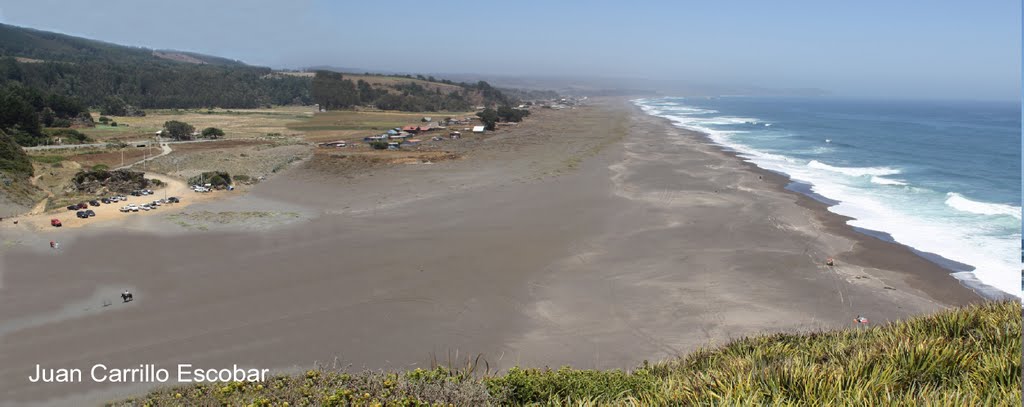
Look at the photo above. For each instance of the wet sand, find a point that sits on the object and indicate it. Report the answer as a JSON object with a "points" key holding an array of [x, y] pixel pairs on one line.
{"points": [[598, 237]]}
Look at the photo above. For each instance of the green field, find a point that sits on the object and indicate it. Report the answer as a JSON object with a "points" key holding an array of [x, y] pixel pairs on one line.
{"points": [[959, 357]]}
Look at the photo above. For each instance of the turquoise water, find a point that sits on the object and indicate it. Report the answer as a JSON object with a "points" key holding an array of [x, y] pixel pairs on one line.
{"points": [[941, 177]]}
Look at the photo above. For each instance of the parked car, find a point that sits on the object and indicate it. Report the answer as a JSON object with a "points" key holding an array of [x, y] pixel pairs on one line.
{"points": [[106, 201], [122, 198], [173, 199], [135, 193], [148, 191], [125, 209], [156, 203], [94, 203], [55, 223], [72, 207], [133, 207], [82, 205], [90, 213], [81, 214]]}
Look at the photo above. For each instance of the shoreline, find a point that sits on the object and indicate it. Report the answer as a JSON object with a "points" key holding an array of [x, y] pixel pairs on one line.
{"points": [[921, 272], [581, 238]]}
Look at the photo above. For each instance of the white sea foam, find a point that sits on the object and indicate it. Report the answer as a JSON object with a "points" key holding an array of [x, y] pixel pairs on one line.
{"points": [[854, 171], [876, 179], [727, 120], [958, 202], [917, 217]]}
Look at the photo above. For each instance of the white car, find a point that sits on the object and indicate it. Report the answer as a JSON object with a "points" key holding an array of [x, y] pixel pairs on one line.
{"points": [[133, 207], [145, 207], [156, 203], [125, 209]]}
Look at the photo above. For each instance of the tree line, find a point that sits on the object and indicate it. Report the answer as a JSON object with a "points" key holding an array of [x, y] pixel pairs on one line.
{"points": [[25, 112], [331, 90], [161, 84]]}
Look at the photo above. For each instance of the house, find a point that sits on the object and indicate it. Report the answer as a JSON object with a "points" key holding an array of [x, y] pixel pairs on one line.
{"points": [[412, 141], [393, 145], [336, 144], [455, 135], [478, 129]]}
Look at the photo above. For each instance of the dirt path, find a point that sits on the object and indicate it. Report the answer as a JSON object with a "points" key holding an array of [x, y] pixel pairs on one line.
{"points": [[164, 150]]}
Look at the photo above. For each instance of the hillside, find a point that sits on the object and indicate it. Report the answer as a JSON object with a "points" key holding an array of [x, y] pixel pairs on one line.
{"points": [[16, 190], [92, 71], [969, 356], [333, 90]]}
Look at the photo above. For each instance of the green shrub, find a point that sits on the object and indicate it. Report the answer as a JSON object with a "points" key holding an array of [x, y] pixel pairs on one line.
{"points": [[379, 145], [216, 179], [961, 357], [533, 385], [100, 167]]}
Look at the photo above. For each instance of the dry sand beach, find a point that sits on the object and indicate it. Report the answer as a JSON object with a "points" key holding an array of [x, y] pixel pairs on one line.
{"points": [[597, 237]]}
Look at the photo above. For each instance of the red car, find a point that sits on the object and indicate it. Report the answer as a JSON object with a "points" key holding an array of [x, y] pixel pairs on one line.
{"points": [[55, 222]]}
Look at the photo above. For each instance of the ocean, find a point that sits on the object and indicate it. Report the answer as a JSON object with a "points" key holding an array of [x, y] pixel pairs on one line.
{"points": [[941, 177]]}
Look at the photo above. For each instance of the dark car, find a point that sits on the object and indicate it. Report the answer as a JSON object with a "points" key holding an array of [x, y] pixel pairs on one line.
{"points": [[82, 205], [81, 214], [72, 207], [106, 201], [136, 193], [89, 213], [94, 203], [173, 199]]}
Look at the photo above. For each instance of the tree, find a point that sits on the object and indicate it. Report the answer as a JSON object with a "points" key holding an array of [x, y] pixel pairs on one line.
{"points": [[331, 90], [178, 130], [489, 117], [213, 132], [114, 106], [47, 117], [509, 114], [104, 119]]}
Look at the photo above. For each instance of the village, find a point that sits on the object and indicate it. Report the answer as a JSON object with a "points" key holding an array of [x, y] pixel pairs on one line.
{"points": [[431, 132]]}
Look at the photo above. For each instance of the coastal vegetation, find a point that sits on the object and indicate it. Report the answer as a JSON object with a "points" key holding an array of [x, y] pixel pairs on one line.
{"points": [[331, 90], [98, 74], [964, 356]]}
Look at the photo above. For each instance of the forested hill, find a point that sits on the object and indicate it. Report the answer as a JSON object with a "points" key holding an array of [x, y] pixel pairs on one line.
{"points": [[92, 71]]}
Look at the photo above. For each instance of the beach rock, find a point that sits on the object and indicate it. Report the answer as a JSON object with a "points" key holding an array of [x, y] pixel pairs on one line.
{"points": [[103, 181]]}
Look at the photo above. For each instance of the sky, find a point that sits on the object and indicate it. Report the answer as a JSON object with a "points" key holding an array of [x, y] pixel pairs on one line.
{"points": [[893, 49]]}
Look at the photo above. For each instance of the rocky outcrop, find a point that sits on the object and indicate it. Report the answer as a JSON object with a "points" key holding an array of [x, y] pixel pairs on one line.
{"points": [[103, 181]]}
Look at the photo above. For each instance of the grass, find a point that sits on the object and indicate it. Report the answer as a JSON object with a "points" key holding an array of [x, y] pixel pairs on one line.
{"points": [[351, 123], [236, 123], [965, 356], [47, 159]]}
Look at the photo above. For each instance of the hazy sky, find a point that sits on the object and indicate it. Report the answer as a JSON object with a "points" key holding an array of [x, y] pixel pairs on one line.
{"points": [[927, 49]]}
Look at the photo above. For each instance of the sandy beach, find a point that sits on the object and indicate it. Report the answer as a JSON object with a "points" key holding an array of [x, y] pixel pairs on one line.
{"points": [[597, 237]]}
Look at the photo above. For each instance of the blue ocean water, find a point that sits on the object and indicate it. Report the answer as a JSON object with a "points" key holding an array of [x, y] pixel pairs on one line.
{"points": [[941, 177]]}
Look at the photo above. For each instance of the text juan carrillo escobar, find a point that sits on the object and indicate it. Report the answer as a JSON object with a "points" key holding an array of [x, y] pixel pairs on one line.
{"points": [[147, 373]]}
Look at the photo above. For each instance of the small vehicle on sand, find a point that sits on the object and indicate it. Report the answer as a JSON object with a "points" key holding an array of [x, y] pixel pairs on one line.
{"points": [[55, 223]]}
